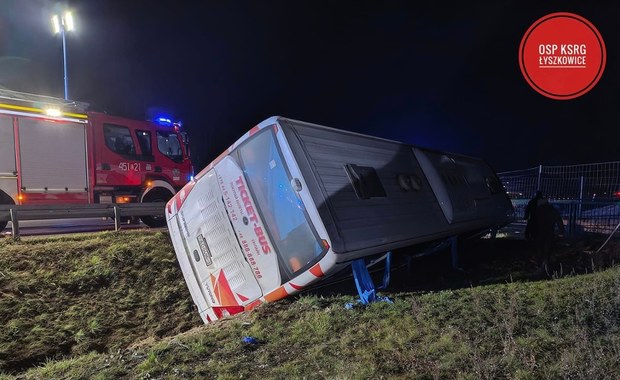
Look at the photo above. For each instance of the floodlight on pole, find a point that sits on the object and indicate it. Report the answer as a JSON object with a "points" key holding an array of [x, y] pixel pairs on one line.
{"points": [[62, 24]]}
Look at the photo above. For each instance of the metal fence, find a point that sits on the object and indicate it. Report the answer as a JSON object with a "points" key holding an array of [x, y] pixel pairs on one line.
{"points": [[587, 182], [580, 217], [587, 196]]}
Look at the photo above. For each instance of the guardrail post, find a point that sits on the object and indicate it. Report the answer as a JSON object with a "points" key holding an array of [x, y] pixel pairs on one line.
{"points": [[14, 224], [117, 218]]}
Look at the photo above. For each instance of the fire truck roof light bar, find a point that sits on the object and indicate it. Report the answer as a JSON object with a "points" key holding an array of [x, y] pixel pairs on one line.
{"points": [[166, 121]]}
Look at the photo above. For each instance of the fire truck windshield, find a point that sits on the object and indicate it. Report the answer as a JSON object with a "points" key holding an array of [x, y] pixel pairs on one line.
{"points": [[280, 207], [169, 144]]}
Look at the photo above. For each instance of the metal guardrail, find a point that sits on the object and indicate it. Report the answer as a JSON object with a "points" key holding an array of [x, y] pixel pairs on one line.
{"points": [[116, 211]]}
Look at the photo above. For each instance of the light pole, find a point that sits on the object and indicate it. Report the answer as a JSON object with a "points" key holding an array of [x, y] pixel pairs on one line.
{"points": [[63, 24]]}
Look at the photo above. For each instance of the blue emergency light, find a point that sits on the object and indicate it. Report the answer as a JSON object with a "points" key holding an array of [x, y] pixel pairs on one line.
{"points": [[165, 121]]}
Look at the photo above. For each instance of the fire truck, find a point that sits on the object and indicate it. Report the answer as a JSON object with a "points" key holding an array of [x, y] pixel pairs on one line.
{"points": [[55, 151]]}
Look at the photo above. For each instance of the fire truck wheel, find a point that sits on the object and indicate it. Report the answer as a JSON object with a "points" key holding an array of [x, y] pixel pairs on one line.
{"points": [[156, 196], [5, 200]]}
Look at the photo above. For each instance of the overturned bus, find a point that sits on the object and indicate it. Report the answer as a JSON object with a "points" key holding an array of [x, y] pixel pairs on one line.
{"points": [[290, 203]]}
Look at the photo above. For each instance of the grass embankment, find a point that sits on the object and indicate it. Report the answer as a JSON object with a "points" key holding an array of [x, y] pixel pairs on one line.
{"points": [[71, 295], [562, 328]]}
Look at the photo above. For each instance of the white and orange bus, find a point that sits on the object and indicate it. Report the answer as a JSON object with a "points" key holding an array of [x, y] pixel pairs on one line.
{"points": [[291, 203]]}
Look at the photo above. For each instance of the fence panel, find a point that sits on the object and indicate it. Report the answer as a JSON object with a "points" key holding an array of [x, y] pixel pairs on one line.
{"points": [[580, 216], [587, 195], [520, 184], [583, 182]]}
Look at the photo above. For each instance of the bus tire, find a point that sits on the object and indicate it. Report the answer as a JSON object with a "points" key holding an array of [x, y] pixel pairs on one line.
{"points": [[156, 195]]}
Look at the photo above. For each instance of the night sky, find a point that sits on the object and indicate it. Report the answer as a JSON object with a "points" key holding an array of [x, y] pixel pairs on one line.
{"points": [[441, 75]]}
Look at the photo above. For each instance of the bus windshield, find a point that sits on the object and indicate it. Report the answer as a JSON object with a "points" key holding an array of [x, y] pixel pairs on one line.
{"points": [[280, 207]]}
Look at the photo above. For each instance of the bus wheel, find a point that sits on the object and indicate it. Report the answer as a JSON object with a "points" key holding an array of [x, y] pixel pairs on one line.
{"points": [[157, 195], [5, 200]]}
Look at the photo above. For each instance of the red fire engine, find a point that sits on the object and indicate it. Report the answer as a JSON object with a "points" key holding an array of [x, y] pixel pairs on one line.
{"points": [[54, 151]]}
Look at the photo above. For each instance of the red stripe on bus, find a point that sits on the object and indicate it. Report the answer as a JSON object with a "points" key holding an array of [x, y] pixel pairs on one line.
{"points": [[277, 294], [254, 130], [253, 305], [222, 290], [212, 164], [317, 271], [181, 196], [242, 297]]}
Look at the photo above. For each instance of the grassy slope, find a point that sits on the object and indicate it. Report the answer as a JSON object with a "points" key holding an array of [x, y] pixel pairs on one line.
{"points": [[82, 293], [565, 328]]}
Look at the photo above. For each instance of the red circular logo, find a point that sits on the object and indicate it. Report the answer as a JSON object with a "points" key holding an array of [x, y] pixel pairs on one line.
{"points": [[562, 56]]}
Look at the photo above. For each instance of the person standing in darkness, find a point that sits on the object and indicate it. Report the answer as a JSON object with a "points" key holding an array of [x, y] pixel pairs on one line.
{"points": [[546, 219], [530, 215]]}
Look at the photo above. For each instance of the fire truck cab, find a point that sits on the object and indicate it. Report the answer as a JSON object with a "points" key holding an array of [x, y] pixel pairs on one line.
{"points": [[54, 151]]}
